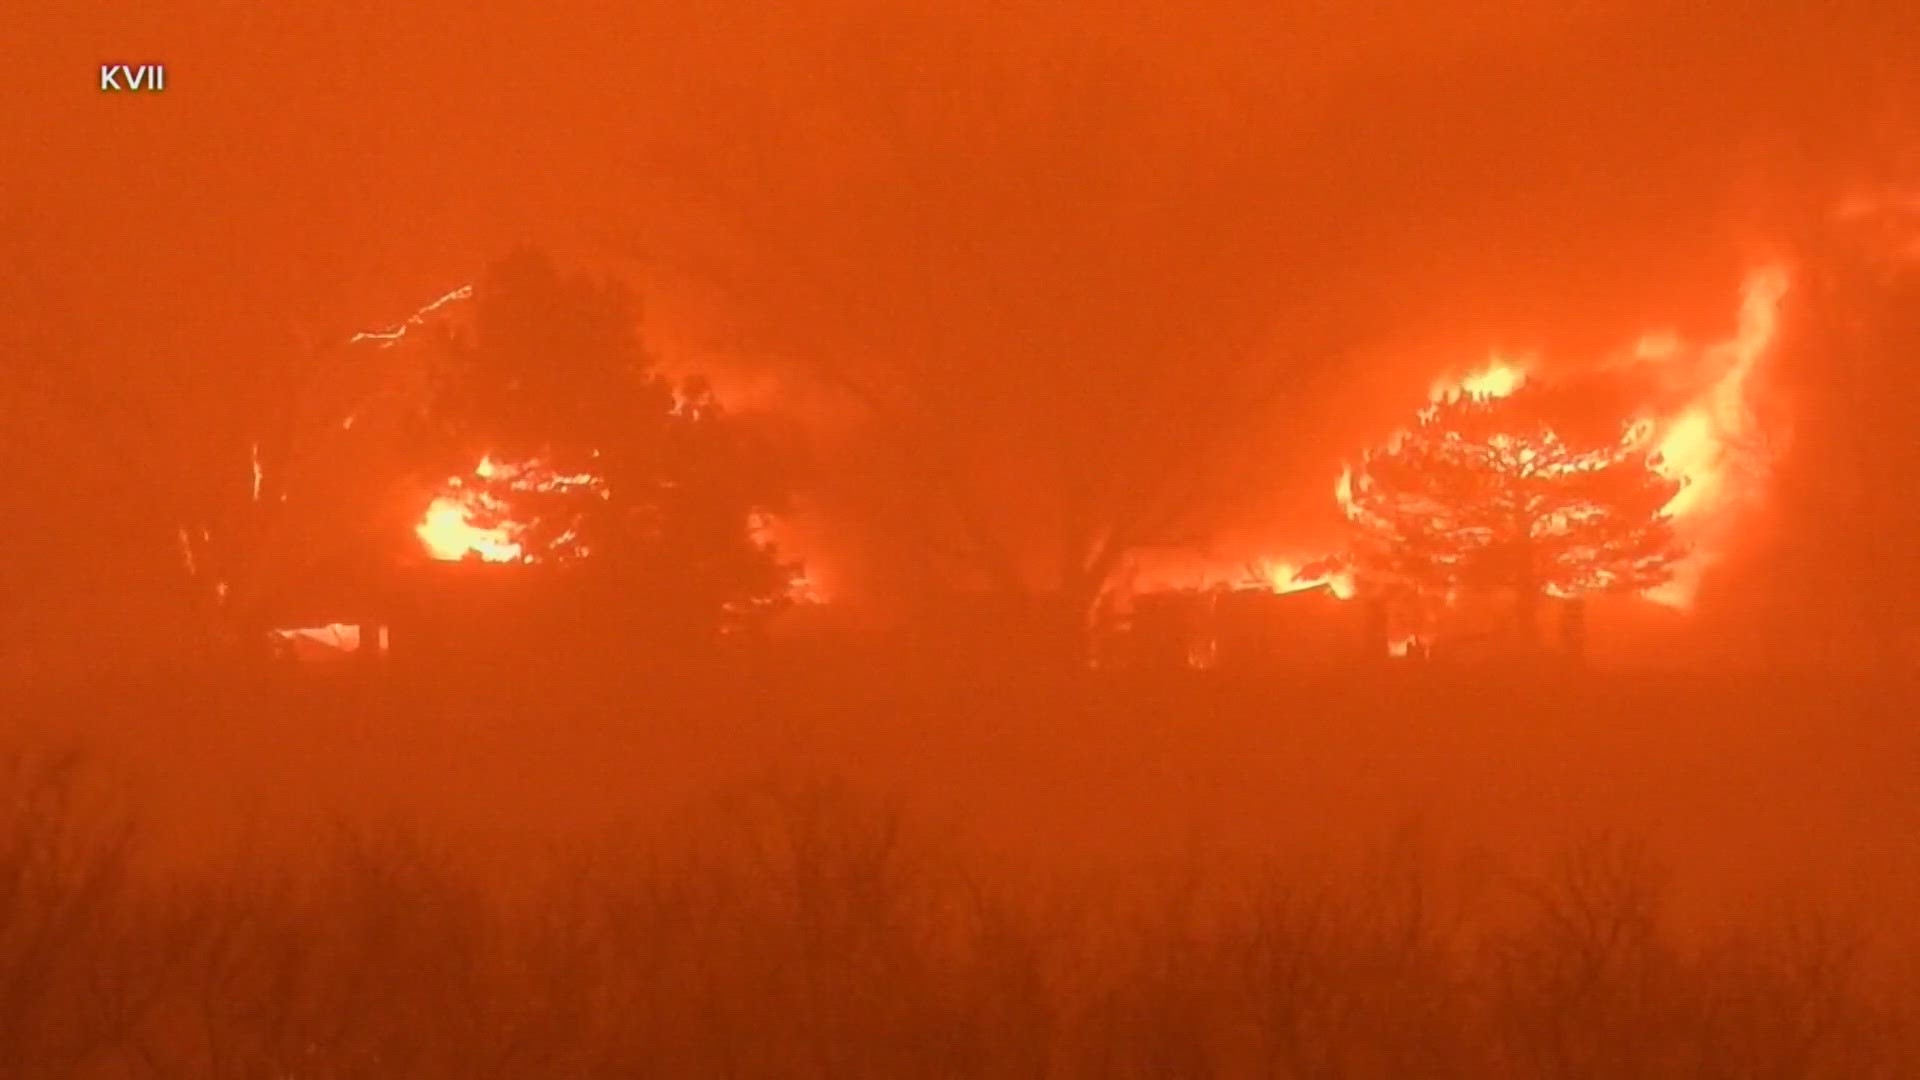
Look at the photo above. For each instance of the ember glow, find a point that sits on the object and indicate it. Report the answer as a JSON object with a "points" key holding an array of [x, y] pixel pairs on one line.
{"points": [[484, 516], [186, 552], [386, 339]]}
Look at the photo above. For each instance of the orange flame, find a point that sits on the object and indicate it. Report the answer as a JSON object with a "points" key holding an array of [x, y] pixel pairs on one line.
{"points": [[450, 535], [1714, 443], [1500, 377], [1331, 573], [469, 520]]}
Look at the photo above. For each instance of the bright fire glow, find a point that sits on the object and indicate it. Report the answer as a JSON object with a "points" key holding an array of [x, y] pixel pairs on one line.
{"points": [[475, 516], [1499, 378], [340, 637], [1714, 443], [1291, 578], [449, 533]]}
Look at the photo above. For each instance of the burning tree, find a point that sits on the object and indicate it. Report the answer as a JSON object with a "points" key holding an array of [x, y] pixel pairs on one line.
{"points": [[1485, 495], [592, 455], [518, 512], [553, 437]]}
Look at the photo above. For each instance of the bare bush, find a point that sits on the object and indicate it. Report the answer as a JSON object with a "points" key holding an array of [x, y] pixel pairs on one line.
{"points": [[811, 930], [77, 967]]}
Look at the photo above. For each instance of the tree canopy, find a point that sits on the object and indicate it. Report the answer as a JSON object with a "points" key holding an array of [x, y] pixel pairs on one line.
{"points": [[554, 369], [535, 390], [1484, 494]]}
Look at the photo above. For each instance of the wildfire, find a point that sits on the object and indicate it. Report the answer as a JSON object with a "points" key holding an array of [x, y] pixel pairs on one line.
{"points": [[1697, 427], [1707, 438], [481, 516], [1714, 444]]}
